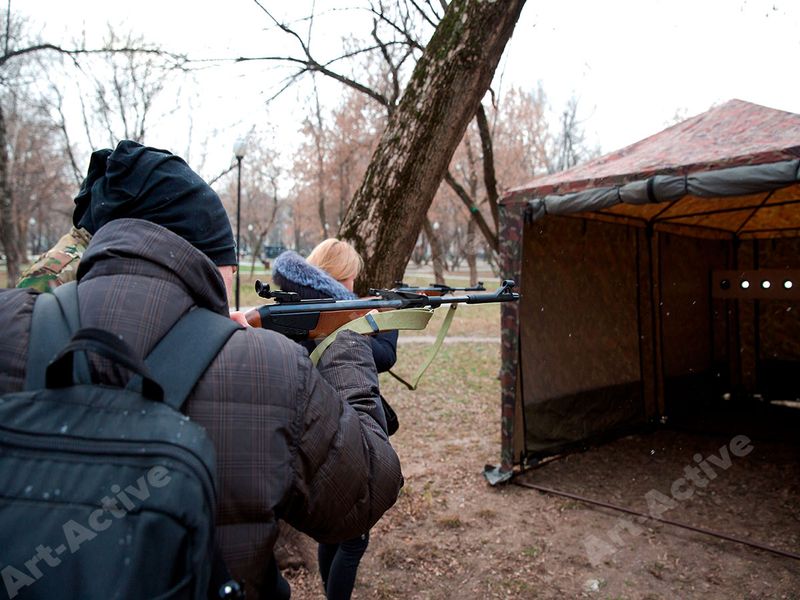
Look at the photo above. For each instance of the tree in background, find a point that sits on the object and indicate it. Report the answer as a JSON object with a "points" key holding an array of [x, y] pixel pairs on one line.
{"points": [[260, 199], [32, 93], [424, 130], [39, 181], [393, 46], [508, 142], [118, 88], [29, 161], [512, 142], [330, 163]]}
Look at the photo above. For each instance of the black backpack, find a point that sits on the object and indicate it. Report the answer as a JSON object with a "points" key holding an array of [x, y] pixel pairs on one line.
{"points": [[108, 492]]}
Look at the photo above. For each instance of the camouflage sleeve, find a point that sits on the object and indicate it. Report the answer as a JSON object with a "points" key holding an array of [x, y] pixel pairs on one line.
{"points": [[59, 264]]}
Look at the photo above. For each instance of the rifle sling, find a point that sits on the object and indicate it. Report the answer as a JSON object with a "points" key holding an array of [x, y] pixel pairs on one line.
{"points": [[407, 319], [432, 351]]}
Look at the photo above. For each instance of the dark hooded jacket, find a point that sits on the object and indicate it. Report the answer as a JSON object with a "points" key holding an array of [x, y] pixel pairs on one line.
{"points": [[292, 273], [293, 442]]}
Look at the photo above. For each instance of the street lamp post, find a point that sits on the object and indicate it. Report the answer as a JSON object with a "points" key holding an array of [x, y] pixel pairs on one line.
{"points": [[238, 152]]}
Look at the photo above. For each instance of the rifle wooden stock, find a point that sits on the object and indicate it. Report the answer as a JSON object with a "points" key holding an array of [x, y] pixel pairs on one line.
{"points": [[322, 324]]}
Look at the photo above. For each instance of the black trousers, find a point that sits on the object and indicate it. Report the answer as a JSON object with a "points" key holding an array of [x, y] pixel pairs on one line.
{"points": [[338, 565]]}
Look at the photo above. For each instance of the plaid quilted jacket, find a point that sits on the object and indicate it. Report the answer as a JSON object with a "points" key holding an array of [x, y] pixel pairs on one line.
{"points": [[293, 442]]}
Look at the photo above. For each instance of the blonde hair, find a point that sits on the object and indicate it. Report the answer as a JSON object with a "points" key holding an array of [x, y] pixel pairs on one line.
{"points": [[337, 258]]}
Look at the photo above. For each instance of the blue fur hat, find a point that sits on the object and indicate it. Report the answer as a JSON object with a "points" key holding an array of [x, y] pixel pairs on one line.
{"points": [[292, 273]]}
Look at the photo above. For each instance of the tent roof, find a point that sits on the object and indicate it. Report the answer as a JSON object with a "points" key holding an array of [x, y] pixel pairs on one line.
{"points": [[741, 151], [734, 133]]}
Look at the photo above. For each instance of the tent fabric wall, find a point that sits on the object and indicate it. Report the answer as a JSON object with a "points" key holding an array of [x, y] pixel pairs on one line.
{"points": [[618, 327], [511, 417], [620, 253], [692, 325], [583, 375], [770, 328]]}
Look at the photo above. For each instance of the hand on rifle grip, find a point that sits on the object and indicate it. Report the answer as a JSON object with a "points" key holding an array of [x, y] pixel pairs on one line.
{"points": [[239, 317]]}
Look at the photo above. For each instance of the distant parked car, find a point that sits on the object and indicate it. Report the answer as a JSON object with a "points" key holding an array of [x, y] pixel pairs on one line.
{"points": [[273, 251]]}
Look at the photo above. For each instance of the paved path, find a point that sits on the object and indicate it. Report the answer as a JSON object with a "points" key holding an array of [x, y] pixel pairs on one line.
{"points": [[450, 339]]}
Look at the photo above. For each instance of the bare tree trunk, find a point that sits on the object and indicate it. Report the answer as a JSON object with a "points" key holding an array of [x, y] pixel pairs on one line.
{"points": [[437, 256], [258, 247], [445, 90], [8, 217], [491, 258], [489, 178], [256, 251], [296, 229], [472, 179], [319, 135], [420, 253], [472, 252], [21, 224]]}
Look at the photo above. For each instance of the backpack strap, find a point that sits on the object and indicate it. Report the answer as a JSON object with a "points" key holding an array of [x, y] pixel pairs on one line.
{"points": [[181, 357], [178, 362], [49, 332], [55, 318], [67, 297]]}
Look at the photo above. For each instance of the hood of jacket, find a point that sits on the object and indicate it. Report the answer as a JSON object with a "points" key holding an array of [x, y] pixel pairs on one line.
{"points": [[292, 273], [142, 247]]}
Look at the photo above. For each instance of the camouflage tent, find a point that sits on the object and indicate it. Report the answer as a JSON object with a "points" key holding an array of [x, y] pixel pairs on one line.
{"points": [[656, 281]]}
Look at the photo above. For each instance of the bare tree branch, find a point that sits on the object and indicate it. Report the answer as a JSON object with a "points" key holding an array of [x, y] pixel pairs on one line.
{"points": [[489, 177], [319, 134], [8, 28], [394, 70], [424, 14], [75, 52], [403, 31], [475, 212], [62, 126], [309, 63], [222, 174]]}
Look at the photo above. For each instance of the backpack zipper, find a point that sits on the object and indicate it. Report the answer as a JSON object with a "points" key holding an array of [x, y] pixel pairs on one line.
{"points": [[80, 445]]}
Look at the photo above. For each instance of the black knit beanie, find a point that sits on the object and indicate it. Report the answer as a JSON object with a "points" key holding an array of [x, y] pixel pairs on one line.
{"points": [[138, 182]]}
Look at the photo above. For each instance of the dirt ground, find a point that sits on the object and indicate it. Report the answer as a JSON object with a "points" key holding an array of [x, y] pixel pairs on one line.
{"points": [[451, 535]]}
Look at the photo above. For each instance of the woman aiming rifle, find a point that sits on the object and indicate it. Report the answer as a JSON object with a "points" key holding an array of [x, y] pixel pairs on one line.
{"points": [[330, 272]]}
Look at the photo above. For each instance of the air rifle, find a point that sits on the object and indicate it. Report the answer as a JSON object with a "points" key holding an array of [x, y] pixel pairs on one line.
{"points": [[313, 319]]}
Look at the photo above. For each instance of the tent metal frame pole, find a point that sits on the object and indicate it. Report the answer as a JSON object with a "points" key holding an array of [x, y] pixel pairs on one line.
{"points": [[756, 209], [750, 235], [639, 328], [712, 363], [737, 323], [658, 324], [757, 322], [665, 225], [753, 208], [646, 516]]}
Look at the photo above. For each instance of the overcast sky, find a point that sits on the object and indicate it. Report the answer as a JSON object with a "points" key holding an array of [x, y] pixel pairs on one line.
{"points": [[633, 64]]}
